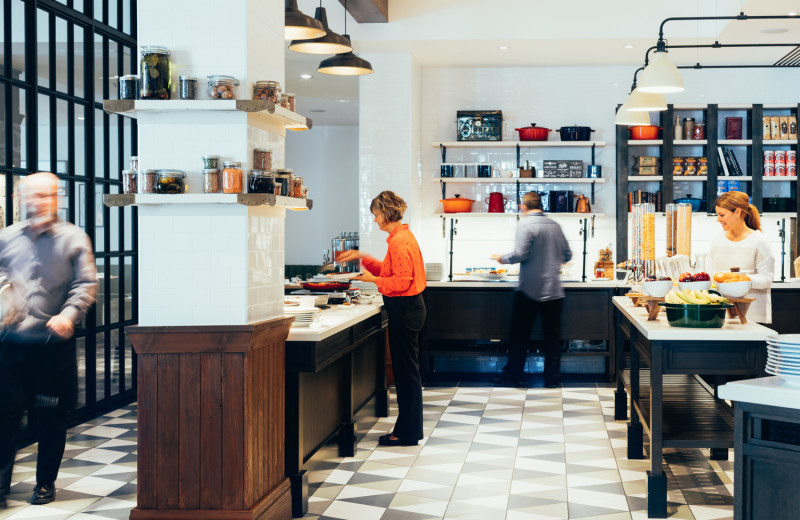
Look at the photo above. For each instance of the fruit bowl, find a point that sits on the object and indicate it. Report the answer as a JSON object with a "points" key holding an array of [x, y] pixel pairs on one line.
{"points": [[657, 288], [698, 286], [734, 289], [696, 316]]}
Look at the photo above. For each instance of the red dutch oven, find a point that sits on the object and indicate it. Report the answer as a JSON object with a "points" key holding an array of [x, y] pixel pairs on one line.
{"points": [[326, 286], [533, 133], [644, 132]]}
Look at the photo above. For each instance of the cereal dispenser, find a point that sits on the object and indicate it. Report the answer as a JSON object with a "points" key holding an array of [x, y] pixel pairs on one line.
{"points": [[644, 241]]}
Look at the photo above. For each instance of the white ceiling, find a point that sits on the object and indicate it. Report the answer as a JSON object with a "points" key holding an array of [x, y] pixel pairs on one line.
{"points": [[591, 33]]}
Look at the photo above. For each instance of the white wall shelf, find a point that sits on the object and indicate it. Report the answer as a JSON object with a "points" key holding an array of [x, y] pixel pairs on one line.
{"points": [[645, 142], [779, 142], [645, 178], [689, 178], [512, 144], [690, 142], [781, 178], [521, 180], [497, 215], [246, 199], [736, 142], [258, 107]]}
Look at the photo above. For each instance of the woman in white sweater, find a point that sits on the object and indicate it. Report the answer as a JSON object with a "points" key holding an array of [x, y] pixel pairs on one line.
{"points": [[743, 245]]}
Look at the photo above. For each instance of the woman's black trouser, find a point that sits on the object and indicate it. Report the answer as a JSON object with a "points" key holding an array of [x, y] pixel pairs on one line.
{"points": [[406, 317]]}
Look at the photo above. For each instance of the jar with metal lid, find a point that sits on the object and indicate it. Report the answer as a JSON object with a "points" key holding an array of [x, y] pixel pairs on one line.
{"points": [[147, 181], [283, 178], [210, 180], [688, 127], [232, 177], [261, 181], [262, 159], [699, 131], [170, 181], [222, 87], [134, 162], [154, 73], [187, 87], [129, 181], [211, 161], [297, 187], [128, 86], [267, 90], [287, 101]]}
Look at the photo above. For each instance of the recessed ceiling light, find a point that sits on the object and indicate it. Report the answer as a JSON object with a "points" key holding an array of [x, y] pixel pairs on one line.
{"points": [[792, 13], [306, 76], [81, 118], [774, 30], [344, 101], [504, 47], [316, 110], [629, 46]]}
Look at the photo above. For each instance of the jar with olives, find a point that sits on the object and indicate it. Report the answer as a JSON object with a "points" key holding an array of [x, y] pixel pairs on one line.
{"points": [[170, 181], [154, 73], [211, 161], [261, 181], [232, 177], [222, 87], [267, 90]]}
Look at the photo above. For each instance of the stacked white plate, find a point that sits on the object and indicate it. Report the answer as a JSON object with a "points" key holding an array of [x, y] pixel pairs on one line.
{"points": [[303, 316], [783, 357], [434, 271]]}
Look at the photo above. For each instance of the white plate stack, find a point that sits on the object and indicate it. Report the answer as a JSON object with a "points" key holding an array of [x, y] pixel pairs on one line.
{"points": [[783, 357], [303, 317], [434, 271]]}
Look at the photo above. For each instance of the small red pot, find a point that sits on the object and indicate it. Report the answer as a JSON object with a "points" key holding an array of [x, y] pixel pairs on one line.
{"points": [[457, 205], [533, 133], [644, 132]]}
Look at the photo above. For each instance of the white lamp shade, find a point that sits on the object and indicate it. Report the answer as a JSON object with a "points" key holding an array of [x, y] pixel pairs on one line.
{"points": [[628, 118], [640, 101], [661, 76]]}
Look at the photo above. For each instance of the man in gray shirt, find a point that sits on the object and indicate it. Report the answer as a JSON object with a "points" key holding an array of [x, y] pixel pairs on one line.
{"points": [[51, 268], [540, 248]]}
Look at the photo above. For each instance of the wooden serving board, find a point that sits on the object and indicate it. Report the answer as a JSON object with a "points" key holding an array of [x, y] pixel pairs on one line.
{"points": [[636, 298], [651, 303]]}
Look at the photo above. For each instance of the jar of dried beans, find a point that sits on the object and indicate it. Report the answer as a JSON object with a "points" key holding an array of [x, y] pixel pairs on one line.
{"points": [[128, 181], [147, 181], [210, 180], [262, 159], [222, 87], [232, 177], [267, 90]]}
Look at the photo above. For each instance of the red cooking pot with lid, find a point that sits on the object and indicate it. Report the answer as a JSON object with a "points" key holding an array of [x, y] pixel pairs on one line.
{"points": [[644, 132], [533, 133]]}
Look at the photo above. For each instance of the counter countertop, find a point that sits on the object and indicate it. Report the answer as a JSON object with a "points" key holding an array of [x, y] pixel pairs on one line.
{"points": [[769, 391], [464, 281], [660, 329], [334, 320]]}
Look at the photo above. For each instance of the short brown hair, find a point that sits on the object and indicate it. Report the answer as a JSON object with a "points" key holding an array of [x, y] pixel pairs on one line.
{"points": [[733, 200], [389, 205], [532, 200]]}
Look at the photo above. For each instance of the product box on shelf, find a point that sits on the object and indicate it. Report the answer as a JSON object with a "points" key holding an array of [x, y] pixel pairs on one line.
{"points": [[563, 169], [733, 128]]}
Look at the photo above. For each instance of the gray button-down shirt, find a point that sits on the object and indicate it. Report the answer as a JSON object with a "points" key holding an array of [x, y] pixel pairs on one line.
{"points": [[540, 248], [52, 271]]}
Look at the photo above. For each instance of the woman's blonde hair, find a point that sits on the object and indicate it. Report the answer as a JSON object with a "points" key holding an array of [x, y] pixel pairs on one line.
{"points": [[389, 205], [733, 200]]}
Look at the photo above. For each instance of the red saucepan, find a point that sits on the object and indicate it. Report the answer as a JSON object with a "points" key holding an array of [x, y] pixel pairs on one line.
{"points": [[533, 133], [326, 286]]}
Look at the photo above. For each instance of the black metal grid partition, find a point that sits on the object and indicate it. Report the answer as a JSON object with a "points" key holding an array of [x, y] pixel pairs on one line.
{"points": [[60, 60]]}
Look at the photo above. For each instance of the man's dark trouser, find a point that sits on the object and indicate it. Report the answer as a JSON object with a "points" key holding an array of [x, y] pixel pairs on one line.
{"points": [[523, 317], [406, 317], [42, 379]]}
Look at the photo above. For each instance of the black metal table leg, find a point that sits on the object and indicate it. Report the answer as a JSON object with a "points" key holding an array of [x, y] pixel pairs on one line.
{"points": [[656, 479], [635, 432], [620, 397], [656, 495]]}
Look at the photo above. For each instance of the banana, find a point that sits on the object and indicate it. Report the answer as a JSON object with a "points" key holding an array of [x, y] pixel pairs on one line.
{"points": [[670, 297], [702, 295], [683, 295], [691, 298]]}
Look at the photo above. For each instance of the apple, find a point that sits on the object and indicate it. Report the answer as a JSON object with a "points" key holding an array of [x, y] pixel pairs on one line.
{"points": [[686, 277], [650, 279], [665, 278], [702, 277]]}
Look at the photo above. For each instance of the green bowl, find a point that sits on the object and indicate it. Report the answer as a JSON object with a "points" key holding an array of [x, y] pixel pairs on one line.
{"points": [[696, 316]]}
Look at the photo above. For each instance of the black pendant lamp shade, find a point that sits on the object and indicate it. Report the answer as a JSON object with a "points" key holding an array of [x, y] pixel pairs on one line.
{"points": [[346, 64], [331, 43], [299, 26]]}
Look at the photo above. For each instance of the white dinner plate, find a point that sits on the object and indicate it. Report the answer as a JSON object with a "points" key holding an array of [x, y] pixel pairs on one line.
{"points": [[790, 379], [783, 352], [343, 276], [784, 370], [783, 366], [785, 338]]}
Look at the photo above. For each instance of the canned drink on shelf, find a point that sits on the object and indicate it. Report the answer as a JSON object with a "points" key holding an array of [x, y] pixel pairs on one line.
{"points": [[780, 158], [780, 170], [791, 158], [769, 170], [791, 170], [769, 156]]}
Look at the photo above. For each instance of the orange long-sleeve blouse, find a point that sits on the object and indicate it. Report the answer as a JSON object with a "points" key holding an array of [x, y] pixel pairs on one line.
{"points": [[402, 272]]}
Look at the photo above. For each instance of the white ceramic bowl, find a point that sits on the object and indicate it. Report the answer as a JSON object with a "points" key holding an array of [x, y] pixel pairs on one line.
{"points": [[657, 288], [697, 286], [734, 289]]}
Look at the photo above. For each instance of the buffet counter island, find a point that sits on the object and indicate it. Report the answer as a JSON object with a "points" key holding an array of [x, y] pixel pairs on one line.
{"points": [[671, 385]]}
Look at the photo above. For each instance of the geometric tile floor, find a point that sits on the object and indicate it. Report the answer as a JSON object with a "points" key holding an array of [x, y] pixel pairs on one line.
{"points": [[489, 453]]}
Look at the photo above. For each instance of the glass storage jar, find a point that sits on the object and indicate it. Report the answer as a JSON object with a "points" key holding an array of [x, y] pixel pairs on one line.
{"points": [[211, 161], [267, 90], [262, 159], [232, 177], [222, 87], [261, 181], [287, 101], [283, 178], [134, 162], [187, 87], [129, 181], [210, 180], [147, 181], [154, 73], [170, 181], [128, 86], [297, 187]]}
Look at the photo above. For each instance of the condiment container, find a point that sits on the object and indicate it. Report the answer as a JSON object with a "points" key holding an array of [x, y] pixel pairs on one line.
{"points": [[261, 181], [129, 181], [262, 159], [210, 161], [222, 87], [283, 178], [134, 162], [232, 177], [128, 86], [287, 101], [187, 87], [154, 73], [147, 181], [210, 180], [688, 127], [699, 131], [267, 90], [297, 187], [170, 181]]}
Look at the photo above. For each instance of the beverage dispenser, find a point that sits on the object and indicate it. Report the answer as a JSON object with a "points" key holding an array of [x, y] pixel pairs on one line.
{"points": [[345, 240]]}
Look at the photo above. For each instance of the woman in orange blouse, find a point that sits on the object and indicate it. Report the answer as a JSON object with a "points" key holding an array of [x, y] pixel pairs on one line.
{"points": [[400, 278]]}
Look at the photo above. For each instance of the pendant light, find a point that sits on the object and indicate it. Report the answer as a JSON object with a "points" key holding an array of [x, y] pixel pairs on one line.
{"points": [[661, 75], [331, 43], [299, 26], [640, 101], [629, 118], [345, 64]]}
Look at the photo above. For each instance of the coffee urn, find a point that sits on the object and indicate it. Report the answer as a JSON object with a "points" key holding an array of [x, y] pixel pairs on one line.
{"points": [[345, 240]]}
